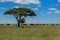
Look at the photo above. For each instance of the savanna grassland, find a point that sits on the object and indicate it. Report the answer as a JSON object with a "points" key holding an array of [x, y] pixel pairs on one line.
{"points": [[30, 32]]}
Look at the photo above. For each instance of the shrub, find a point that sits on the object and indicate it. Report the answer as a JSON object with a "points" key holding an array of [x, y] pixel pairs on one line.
{"points": [[37, 24], [24, 24], [52, 24], [31, 24], [1, 24], [43, 24], [8, 24]]}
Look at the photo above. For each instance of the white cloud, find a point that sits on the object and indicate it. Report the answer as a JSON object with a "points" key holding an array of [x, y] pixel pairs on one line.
{"points": [[23, 1], [39, 6], [15, 6], [3, 8], [57, 5], [57, 11], [35, 9], [49, 12], [59, 1], [52, 9]]}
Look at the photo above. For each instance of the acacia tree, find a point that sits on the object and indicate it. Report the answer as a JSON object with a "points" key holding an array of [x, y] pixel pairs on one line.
{"points": [[20, 14]]}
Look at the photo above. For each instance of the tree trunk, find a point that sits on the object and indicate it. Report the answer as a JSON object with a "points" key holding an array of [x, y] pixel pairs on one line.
{"points": [[22, 25], [18, 24]]}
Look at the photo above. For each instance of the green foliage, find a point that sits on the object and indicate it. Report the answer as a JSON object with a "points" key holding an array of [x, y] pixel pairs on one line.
{"points": [[22, 20], [21, 12]]}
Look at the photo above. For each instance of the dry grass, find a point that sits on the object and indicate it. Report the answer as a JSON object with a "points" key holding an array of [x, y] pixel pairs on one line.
{"points": [[30, 32]]}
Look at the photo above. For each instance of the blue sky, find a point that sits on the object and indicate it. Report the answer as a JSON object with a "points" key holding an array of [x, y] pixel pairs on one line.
{"points": [[47, 11]]}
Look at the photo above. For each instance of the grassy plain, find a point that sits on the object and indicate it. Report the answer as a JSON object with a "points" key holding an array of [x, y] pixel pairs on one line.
{"points": [[30, 32]]}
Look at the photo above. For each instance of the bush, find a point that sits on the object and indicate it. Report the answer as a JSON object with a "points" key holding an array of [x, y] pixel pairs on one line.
{"points": [[1, 24], [24, 24], [43, 24], [37, 24], [52, 24], [31, 24], [8, 24]]}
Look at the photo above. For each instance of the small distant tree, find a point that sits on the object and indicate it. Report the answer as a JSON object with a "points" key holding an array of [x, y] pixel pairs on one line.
{"points": [[8, 24], [20, 14]]}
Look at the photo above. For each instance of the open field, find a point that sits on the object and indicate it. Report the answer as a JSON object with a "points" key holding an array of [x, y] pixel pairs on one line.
{"points": [[30, 32]]}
